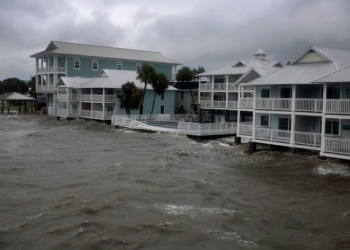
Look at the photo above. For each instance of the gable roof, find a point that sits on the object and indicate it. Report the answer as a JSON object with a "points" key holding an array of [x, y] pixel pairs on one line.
{"points": [[304, 73], [14, 96], [72, 82], [342, 75], [76, 49], [241, 67]]}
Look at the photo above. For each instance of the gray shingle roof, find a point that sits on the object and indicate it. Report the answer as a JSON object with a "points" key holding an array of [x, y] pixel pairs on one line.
{"points": [[16, 97], [342, 75], [75, 49]]}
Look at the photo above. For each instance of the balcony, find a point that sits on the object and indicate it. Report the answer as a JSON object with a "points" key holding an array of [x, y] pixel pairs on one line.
{"points": [[74, 97], [219, 104], [272, 135], [245, 129], [62, 96], [51, 70], [45, 88], [337, 146], [338, 106], [62, 112], [86, 97], [231, 87], [309, 105], [307, 139], [246, 103], [206, 104], [232, 104], [206, 86], [219, 86], [98, 98], [273, 103]]}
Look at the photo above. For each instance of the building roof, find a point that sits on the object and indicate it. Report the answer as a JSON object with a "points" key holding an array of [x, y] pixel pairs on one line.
{"points": [[242, 67], [342, 75], [72, 82], [304, 73], [14, 96], [75, 49], [109, 78]]}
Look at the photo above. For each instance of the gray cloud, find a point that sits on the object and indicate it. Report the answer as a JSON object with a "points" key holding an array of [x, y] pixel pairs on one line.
{"points": [[211, 34]]}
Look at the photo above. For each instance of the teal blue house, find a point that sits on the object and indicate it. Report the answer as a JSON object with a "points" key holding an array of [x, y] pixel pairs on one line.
{"points": [[66, 60]]}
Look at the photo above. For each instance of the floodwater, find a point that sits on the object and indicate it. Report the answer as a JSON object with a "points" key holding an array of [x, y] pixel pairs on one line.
{"points": [[84, 185]]}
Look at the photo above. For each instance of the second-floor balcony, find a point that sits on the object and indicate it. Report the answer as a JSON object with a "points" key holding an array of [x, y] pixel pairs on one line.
{"points": [[98, 98], [309, 105], [206, 86], [232, 104], [51, 69], [273, 103], [338, 106], [219, 104], [247, 103], [45, 87], [220, 86]]}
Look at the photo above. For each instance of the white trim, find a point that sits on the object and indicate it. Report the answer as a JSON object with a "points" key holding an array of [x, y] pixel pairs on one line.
{"points": [[92, 65], [78, 60]]}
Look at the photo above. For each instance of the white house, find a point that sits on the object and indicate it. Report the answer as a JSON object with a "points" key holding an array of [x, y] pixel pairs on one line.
{"points": [[303, 105]]}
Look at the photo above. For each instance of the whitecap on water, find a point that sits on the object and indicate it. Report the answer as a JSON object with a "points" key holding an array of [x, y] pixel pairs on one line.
{"points": [[228, 235], [334, 169], [192, 211]]}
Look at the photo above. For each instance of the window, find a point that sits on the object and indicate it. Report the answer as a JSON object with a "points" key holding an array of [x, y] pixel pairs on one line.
{"points": [[332, 128], [264, 120], [182, 95], [94, 65], [162, 109], [182, 108], [265, 93], [284, 124], [138, 66], [119, 65], [76, 63], [62, 62], [286, 93], [162, 96]]}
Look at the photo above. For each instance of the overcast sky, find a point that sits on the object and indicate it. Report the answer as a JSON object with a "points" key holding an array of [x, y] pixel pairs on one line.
{"points": [[212, 34]]}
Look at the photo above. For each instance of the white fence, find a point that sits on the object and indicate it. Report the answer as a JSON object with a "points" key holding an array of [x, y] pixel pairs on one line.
{"points": [[337, 146], [273, 103], [338, 106], [313, 105], [203, 129]]}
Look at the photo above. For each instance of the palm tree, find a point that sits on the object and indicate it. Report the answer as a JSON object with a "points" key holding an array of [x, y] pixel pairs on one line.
{"points": [[186, 74], [198, 70], [144, 75], [129, 97], [159, 84]]}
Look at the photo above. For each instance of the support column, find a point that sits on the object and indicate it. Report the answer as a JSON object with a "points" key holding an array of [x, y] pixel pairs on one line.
{"points": [[2, 106], [238, 109], [25, 107], [8, 107], [252, 147], [323, 130], [32, 107], [292, 132], [253, 127], [19, 107], [103, 103]]}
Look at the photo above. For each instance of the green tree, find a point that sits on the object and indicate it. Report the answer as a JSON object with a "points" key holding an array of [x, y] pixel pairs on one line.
{"points": [[144, 75], [159, 84], [198, 70], [186, 74], [2, 91], [32, 86], [129, 97], [14, 85]]}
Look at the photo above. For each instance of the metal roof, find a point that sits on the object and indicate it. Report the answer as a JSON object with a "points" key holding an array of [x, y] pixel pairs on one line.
{"points": [[239, 69], [73, 82], [75, 49], [15, 97], [260, 52], [295, 74], [342, 75]]}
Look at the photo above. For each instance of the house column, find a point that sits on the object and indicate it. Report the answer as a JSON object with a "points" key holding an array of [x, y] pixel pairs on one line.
{"points": [[19, 106], [292, 132], [323, 130], [55, 69], [253, 127], [2, 106], [103, 103], [25, 107], [238, 109]]}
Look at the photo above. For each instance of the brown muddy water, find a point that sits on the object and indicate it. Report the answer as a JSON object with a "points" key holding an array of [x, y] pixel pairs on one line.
{"points": [[84, 185]]}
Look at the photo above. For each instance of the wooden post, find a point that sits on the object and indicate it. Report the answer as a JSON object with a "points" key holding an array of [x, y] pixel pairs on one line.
{"points": [[19, 106], [25, 107], [252, 147], [32, 107], [8, 107], [2, 106]]}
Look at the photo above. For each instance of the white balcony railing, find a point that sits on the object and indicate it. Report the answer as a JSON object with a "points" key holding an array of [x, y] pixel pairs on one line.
{"points": [[337, 146], [338, 106], [246, 103], [272, 135], [206, 104], [273, 103], [45, 88], [85, 113], [245, 129], [74, 112], [62, 96], [207, 128], [74, 97], [219, 86], [219, 104], [110, 98], [232, 104], [231, 87], [97, 98], [62, 112], [308, 139], [311, 105], [86, 97], [206, 86], [205, 98], [109, 113], [97, 114], [50, 69], [247, 88]]}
